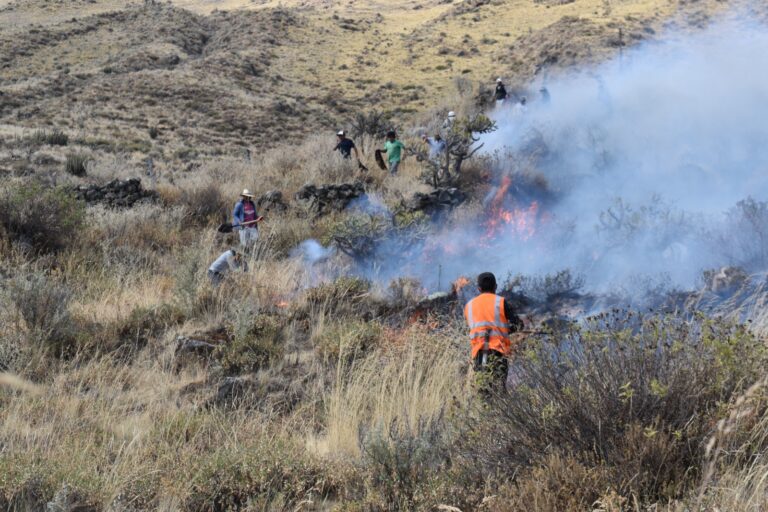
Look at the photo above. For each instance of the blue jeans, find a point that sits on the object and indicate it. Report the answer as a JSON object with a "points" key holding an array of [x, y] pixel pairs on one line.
{"points": [[393, 165]]}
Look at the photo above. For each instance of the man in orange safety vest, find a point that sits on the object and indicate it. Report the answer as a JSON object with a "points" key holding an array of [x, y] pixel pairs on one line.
{"points": [[490, 319]]}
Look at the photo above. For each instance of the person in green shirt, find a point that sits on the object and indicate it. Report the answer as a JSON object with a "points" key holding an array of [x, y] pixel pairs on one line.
{"points": [[394, 149]]}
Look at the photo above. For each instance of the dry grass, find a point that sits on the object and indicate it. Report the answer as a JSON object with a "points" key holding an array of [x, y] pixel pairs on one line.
{"points": [[405, 386], [340, 398], [275, 71]]}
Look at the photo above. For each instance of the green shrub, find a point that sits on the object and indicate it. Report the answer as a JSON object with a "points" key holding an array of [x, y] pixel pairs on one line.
{"points": [[401, 464], [348, 340], [44, 219], [345, 295], [373, 240], [42, 305], [634, 396], [77, 164], [268, 473], [256, 342]]}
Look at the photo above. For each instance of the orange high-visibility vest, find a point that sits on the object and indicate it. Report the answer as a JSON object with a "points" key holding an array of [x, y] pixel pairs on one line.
{"points": [[487, 321]]}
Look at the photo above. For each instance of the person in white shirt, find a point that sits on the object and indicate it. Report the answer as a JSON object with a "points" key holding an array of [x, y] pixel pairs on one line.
{"points": [[436, 146], [228, 260]]}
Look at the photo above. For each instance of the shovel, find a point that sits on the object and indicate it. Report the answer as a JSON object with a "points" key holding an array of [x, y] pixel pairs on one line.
{"points": [[227, 227]]}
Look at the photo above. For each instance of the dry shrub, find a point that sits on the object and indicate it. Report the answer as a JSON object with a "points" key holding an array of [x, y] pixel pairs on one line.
{"points": [[77, 164], [400, 465], [146, 323], [635, 396], [345, 341], [284, 232], [341, 297], [38, 305], [271, 472], [42, 219], [736, 474], [148, 228], [257, 341], [126, 417], [558, 483], [204, 205], [54, 137], [745, 239]]}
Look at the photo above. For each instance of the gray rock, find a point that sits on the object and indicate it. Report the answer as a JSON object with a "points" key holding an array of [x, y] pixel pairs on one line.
{"points": [[437, 202], [272, 201], [115, 194], [328, 198]]}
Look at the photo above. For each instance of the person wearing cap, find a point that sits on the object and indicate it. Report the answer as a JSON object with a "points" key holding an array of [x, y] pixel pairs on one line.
{"points": [[501, 92], [245, 220], [345, 146], [227, 261], [491, 319], [394, 149], [449, 121]]}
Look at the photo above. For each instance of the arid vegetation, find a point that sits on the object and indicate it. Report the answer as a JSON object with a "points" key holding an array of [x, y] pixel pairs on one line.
{"points": [[317, 380]]}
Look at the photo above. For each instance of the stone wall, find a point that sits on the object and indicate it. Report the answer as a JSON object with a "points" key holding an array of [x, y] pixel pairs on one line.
{"points": [[115, 194]]}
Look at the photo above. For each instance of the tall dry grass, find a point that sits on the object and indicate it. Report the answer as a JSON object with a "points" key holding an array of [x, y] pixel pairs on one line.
{"points": [[403, 386], [119, 435]]}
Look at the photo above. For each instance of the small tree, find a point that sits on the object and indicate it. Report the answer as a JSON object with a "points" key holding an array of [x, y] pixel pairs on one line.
{"points": [[460, 145], [373, 124]]}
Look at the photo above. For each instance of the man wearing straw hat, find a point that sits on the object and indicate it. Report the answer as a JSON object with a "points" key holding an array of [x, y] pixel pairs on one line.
{"points": [[245, 220]]}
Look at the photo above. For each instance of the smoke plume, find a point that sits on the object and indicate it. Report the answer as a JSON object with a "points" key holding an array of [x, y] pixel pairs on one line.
{"points": [[647, 169], [646, 159]]}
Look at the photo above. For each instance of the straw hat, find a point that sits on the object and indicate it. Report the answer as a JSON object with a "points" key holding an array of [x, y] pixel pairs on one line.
{"points": [[246, 193]]}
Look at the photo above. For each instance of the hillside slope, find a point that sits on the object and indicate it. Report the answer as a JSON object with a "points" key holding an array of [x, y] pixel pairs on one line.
{"points": [[265, 72]]}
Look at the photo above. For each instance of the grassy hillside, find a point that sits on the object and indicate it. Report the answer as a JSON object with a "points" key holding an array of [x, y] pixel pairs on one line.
{"points": [[213, 77], [128, 382]]}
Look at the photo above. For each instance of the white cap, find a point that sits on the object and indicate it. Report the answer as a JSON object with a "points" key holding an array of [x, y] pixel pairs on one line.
{"points": [[340, 133], [498, 80], [246, 193], [451, 114]]}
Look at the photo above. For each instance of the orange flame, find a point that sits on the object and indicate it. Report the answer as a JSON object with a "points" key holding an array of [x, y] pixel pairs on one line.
{"points": [[498, 198], [282, 304], [521, 221], [459, 284]]}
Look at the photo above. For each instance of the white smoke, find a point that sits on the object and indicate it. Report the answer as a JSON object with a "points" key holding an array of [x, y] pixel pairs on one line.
{"points": [[646, 158], [669, 138], [312, 252]]}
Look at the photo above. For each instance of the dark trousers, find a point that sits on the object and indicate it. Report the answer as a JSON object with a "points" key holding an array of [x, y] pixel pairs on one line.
{"points": [[215, 277], [491, 372]]}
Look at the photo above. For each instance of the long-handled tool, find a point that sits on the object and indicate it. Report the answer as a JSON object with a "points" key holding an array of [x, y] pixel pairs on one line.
{"points": [[380, 160], [227, 227]]}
